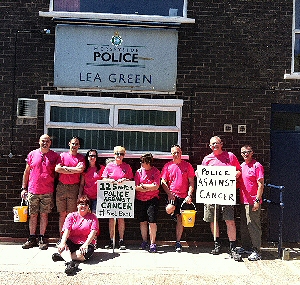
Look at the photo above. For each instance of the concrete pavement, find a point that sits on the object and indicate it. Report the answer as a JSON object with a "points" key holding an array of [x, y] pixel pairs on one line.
{"points": [[133, 266]]}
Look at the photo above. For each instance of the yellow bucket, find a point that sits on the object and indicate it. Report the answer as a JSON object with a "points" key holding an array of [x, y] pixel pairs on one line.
{"points": [[188, 217], [20, 213]]}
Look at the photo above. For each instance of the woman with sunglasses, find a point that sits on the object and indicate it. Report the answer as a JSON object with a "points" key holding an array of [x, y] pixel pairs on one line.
{"points": [[79, 231], [147, 181], [117, 171], [90, 176]]}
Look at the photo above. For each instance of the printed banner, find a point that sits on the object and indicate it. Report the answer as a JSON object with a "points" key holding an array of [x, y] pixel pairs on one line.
{"points": [[115, 200], [216, 185]]}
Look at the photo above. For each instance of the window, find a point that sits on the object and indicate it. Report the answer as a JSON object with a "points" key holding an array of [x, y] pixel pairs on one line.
{"points": [[155, 11], [138, 124], [295, 66]]}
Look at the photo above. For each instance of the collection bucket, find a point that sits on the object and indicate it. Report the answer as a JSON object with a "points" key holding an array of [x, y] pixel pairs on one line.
{"points": [[188, 217], [20, 213]]}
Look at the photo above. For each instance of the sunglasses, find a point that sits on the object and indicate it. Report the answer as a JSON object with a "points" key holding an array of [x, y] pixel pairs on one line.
{"points": [[119, 153], [92, 155], [246, 151]]}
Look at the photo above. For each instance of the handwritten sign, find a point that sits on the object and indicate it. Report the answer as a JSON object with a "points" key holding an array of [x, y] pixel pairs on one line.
{"points": [[216, 185], [115, 200]]}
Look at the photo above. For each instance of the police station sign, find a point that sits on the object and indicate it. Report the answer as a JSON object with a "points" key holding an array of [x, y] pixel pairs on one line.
{"points": [[115, 200], [216, 185], [115, 58]]}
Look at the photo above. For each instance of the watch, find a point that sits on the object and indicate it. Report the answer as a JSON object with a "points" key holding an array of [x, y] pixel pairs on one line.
{"points": [[257, 200]]}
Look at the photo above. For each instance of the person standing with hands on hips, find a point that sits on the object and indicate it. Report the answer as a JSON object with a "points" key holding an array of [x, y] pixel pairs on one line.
{"points": [[251, 190], [117, 171], [177, 180], [218, 157], [38, 188]]}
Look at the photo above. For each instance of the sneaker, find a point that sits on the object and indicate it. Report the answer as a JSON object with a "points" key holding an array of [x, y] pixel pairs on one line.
{"points": [[144, 245], [153, 248], [241, 250], [31, 242], [71, 268], [217, 249], [254, 256], [178, 246], [110, 245], [57, 257], [235, 255], [43, 245], [122, 245]]}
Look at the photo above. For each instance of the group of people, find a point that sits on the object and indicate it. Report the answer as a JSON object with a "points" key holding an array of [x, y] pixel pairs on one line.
{"points": [[76, 197]]}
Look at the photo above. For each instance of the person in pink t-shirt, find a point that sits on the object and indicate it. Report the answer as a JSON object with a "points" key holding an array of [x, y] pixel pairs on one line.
{"points": [[90, 176], [79, 235], [38, 187], [70, 166], [147, 181], [117, 171], [218, 157], [251, 190], [177, 180]]}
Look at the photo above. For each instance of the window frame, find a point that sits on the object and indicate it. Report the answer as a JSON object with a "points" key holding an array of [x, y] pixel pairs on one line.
{"points": [[114, 105], [293, 75], [89, 16]]}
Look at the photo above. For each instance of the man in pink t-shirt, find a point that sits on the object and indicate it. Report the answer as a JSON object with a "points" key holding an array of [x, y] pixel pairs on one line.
{"points": [[218, 157], [70, 165], [38, 185], [251, 190], [178, 182]]}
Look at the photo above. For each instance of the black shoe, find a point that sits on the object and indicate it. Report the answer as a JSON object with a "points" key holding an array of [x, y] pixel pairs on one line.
{"points": [[110, 245], [57, 257], [71, 268], [217, 249], [235, 255], [122, 245], [31, 242]]}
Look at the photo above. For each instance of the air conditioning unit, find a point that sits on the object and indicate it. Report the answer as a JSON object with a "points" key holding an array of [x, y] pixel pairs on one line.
{"points": [[27, 108]]}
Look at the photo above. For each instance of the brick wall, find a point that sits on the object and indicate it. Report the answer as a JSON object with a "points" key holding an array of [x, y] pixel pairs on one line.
{"points": [[230, 69]]}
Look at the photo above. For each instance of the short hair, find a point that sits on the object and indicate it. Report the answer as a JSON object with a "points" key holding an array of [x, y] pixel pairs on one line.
{"points": [[83, 199], [119, 147], [147, 158], [176, 145]]}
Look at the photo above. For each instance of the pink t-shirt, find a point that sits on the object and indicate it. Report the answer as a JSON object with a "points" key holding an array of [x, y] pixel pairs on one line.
{"points": [[91, 176], [223, 159], [67, 159], [114, 171], [80, 227], [251, 173], [42, 171], [177, 176], [147, 177]]}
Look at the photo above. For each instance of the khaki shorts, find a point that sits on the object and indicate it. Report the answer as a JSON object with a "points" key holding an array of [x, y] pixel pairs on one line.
{"points": [[40, 203], [227, 212], [66, 197]]}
